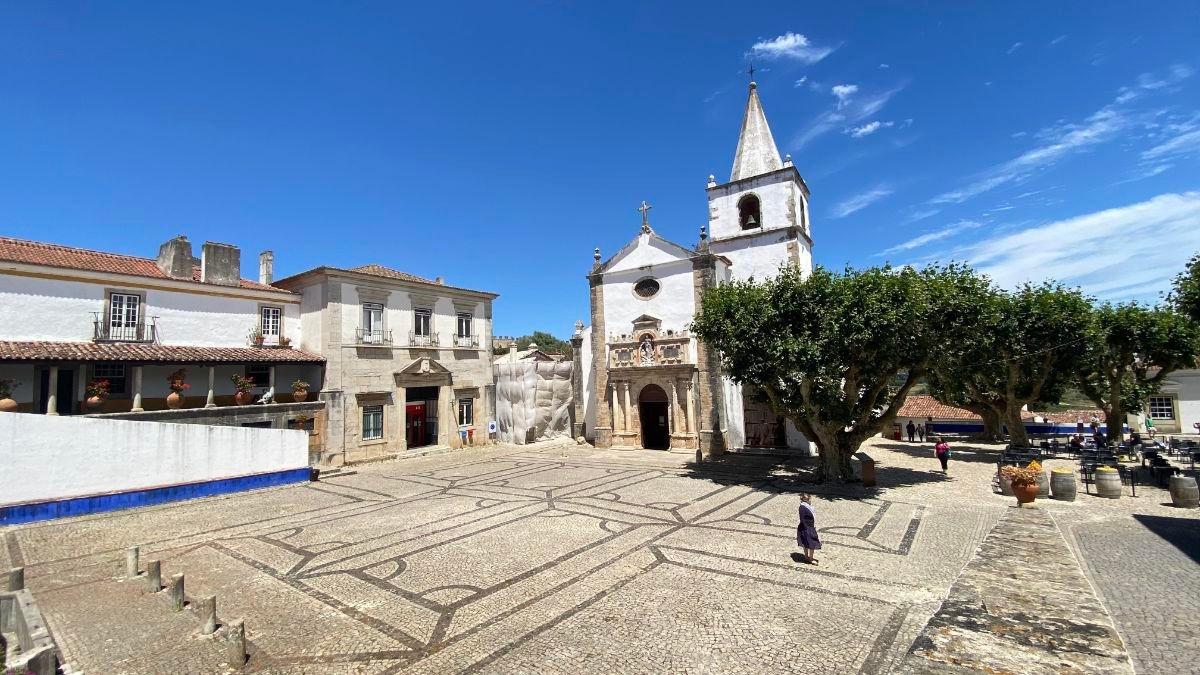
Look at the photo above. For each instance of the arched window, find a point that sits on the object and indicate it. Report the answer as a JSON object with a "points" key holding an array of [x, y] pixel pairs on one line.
{"points": [[749, 212]]}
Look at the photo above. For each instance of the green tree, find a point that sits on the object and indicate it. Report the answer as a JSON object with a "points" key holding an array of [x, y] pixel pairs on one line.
{"points": [[1020, 347], [1128, 351], [1185, 296], [544, 341], [835, 353], [951, 390]]}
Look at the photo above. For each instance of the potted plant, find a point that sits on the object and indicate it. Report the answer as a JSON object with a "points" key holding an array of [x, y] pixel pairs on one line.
{"points": [[256, 336], [242, 386], [7, 404], [1024, 480], [299, 391], [301, 422], [97, 391], [177, 383], [285, 342]]}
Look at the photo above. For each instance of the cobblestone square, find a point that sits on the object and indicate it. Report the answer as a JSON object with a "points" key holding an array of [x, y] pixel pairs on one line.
{"points": [[547, 558]]}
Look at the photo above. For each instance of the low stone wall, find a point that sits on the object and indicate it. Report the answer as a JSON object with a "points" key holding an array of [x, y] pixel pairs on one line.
{"points": [[20, 618], [280, 415]]}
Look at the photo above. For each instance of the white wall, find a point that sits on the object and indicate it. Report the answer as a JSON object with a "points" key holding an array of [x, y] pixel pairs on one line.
{"points": [[1185, 385], [675, 304], [55, 310], [589, 396], [758, 257], [46, 458], [781, 202]]}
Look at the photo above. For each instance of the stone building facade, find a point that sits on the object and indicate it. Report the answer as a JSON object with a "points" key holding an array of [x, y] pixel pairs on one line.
{"points": [[644, 380], [408, 360]]}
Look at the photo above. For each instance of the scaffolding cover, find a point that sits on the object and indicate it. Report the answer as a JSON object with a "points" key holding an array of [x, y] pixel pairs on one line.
{"points": [[533, 401]]}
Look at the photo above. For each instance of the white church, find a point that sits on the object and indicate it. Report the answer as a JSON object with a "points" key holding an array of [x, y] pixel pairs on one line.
{"points": [[645, 381]]}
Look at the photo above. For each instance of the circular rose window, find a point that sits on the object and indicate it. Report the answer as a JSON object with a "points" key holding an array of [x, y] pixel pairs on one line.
{"points": [[646, 288]]}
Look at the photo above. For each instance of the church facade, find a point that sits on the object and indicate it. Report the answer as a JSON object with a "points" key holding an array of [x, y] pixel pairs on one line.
{"points": [[643, 379]]}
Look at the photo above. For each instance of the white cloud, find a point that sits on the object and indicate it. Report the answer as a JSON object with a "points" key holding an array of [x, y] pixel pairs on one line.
{"points": [[1186, 142], [854, 110], [791, 46], [884, 66], [1128, 253], [1057, 40], [860, 201], [869, 128], [930, 237], [800, 82], [1015, 47], [843, 92]]}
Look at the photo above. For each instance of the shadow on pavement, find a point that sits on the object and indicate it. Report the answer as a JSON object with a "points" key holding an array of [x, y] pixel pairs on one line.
{"points": [[1182, 533], [958, 453]]}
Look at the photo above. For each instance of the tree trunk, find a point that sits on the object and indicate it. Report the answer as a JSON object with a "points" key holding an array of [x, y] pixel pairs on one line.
{"points": [[1114, 419], [991, 425], [1016, 427], [835, 465]]}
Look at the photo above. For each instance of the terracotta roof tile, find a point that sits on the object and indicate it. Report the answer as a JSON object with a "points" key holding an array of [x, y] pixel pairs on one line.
{"points": [[381, 271], [149, 353], [55, 255], [923, 405]]}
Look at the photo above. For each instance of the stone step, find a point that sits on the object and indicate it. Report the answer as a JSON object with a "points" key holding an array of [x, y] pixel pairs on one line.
{"points": [[1021, 605], [131, 630]]}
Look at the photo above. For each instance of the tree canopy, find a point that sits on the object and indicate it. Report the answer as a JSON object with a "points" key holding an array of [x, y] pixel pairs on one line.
{"points": [[1017, 348], [1185, 296], [544, 341], [836, 353], [1128, 351]]}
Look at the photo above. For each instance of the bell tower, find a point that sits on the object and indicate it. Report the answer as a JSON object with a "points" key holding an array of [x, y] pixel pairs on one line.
{"points": [[759, 219]]}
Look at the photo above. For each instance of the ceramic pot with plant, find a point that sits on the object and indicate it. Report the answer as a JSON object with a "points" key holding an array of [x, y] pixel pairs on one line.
{"points": [[97, 391], [256, 337], [7, 404], [242, 386], [301, 422], [285, 342], [299, 391], [1024, 480], [177, 383]]}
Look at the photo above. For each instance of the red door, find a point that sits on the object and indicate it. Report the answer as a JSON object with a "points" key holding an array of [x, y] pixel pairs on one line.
{"points": [[414, 424]]}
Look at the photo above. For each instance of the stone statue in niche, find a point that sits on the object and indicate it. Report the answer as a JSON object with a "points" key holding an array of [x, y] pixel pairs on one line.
{"points": [[647, 351]]}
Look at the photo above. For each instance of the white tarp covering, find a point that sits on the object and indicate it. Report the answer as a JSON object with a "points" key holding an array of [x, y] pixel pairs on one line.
{"points": [[533, 401]]}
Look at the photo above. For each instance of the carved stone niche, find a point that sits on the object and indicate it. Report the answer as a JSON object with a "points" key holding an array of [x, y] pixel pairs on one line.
{"points": [[648, 345]]}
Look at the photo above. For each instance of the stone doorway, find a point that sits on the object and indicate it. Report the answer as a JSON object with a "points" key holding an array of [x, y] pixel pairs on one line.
{"points": [[420, 416], [652, 409]]}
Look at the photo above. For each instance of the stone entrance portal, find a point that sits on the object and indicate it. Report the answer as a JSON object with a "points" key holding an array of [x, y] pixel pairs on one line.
{"points": [[652, 410]]}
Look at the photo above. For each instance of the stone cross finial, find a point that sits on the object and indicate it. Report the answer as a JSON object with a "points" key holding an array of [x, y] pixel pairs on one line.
{"points": [[645, 208], [703, 232], [578, 327]]}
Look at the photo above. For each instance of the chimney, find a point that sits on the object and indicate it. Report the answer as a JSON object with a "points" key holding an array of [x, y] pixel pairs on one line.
{"points": [[266, 267], [440, 281], [512, 350], [175, 258], [220, 264]]}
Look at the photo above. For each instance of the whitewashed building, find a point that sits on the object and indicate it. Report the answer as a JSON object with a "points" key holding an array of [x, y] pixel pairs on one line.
{"points": [[71, 315], [1175, 407], [645, 380]]}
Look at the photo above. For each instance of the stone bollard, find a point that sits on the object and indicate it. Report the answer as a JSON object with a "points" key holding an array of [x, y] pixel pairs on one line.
{"points": [[175, 592], [208, 615], [235, 643], [154, 576], [131, 562], [14, 579]]}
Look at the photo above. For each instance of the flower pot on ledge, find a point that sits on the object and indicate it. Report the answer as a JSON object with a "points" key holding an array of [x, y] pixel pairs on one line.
{"points": [[94, 402], [174, 400], [299, 395], [8, 405], [243, 398]]}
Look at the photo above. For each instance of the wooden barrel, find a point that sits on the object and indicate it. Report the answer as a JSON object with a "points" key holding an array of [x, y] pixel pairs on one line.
{"points": [[1184, 493], [1043, 485], [1108, 482], [1062, 483]]}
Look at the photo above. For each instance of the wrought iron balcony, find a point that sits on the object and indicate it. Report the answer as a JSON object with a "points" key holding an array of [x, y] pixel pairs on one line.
{"points": [[415, 340], [105, 331], [466, 341], [364, 336]]}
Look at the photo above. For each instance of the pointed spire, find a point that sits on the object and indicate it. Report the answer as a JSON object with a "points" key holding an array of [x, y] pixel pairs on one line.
{"points": [[756, 151]]}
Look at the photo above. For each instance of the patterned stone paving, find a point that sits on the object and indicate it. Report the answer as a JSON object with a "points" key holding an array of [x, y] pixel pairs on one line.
{"points": [[535, 559]]}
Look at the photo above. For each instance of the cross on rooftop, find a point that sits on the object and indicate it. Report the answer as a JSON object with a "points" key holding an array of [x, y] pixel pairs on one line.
{"points": [[644, 208], [751, 72]]}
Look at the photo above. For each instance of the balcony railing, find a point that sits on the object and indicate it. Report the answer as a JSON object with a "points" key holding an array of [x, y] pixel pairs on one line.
{"points": [[364, 336], [415, 340], [103, 331], [469, 341]]}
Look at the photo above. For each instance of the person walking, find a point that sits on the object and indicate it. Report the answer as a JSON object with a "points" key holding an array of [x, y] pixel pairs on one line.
{"points": [[921, 431], [912, 432], [806, 531], [1095, 424], [942, 449]]}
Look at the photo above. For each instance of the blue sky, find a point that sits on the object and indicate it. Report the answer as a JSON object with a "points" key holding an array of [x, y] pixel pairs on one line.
{"points": [[497, 144]]}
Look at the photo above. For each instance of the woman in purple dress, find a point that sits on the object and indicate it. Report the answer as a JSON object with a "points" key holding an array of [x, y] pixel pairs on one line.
{"points": [[806, 531]]}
